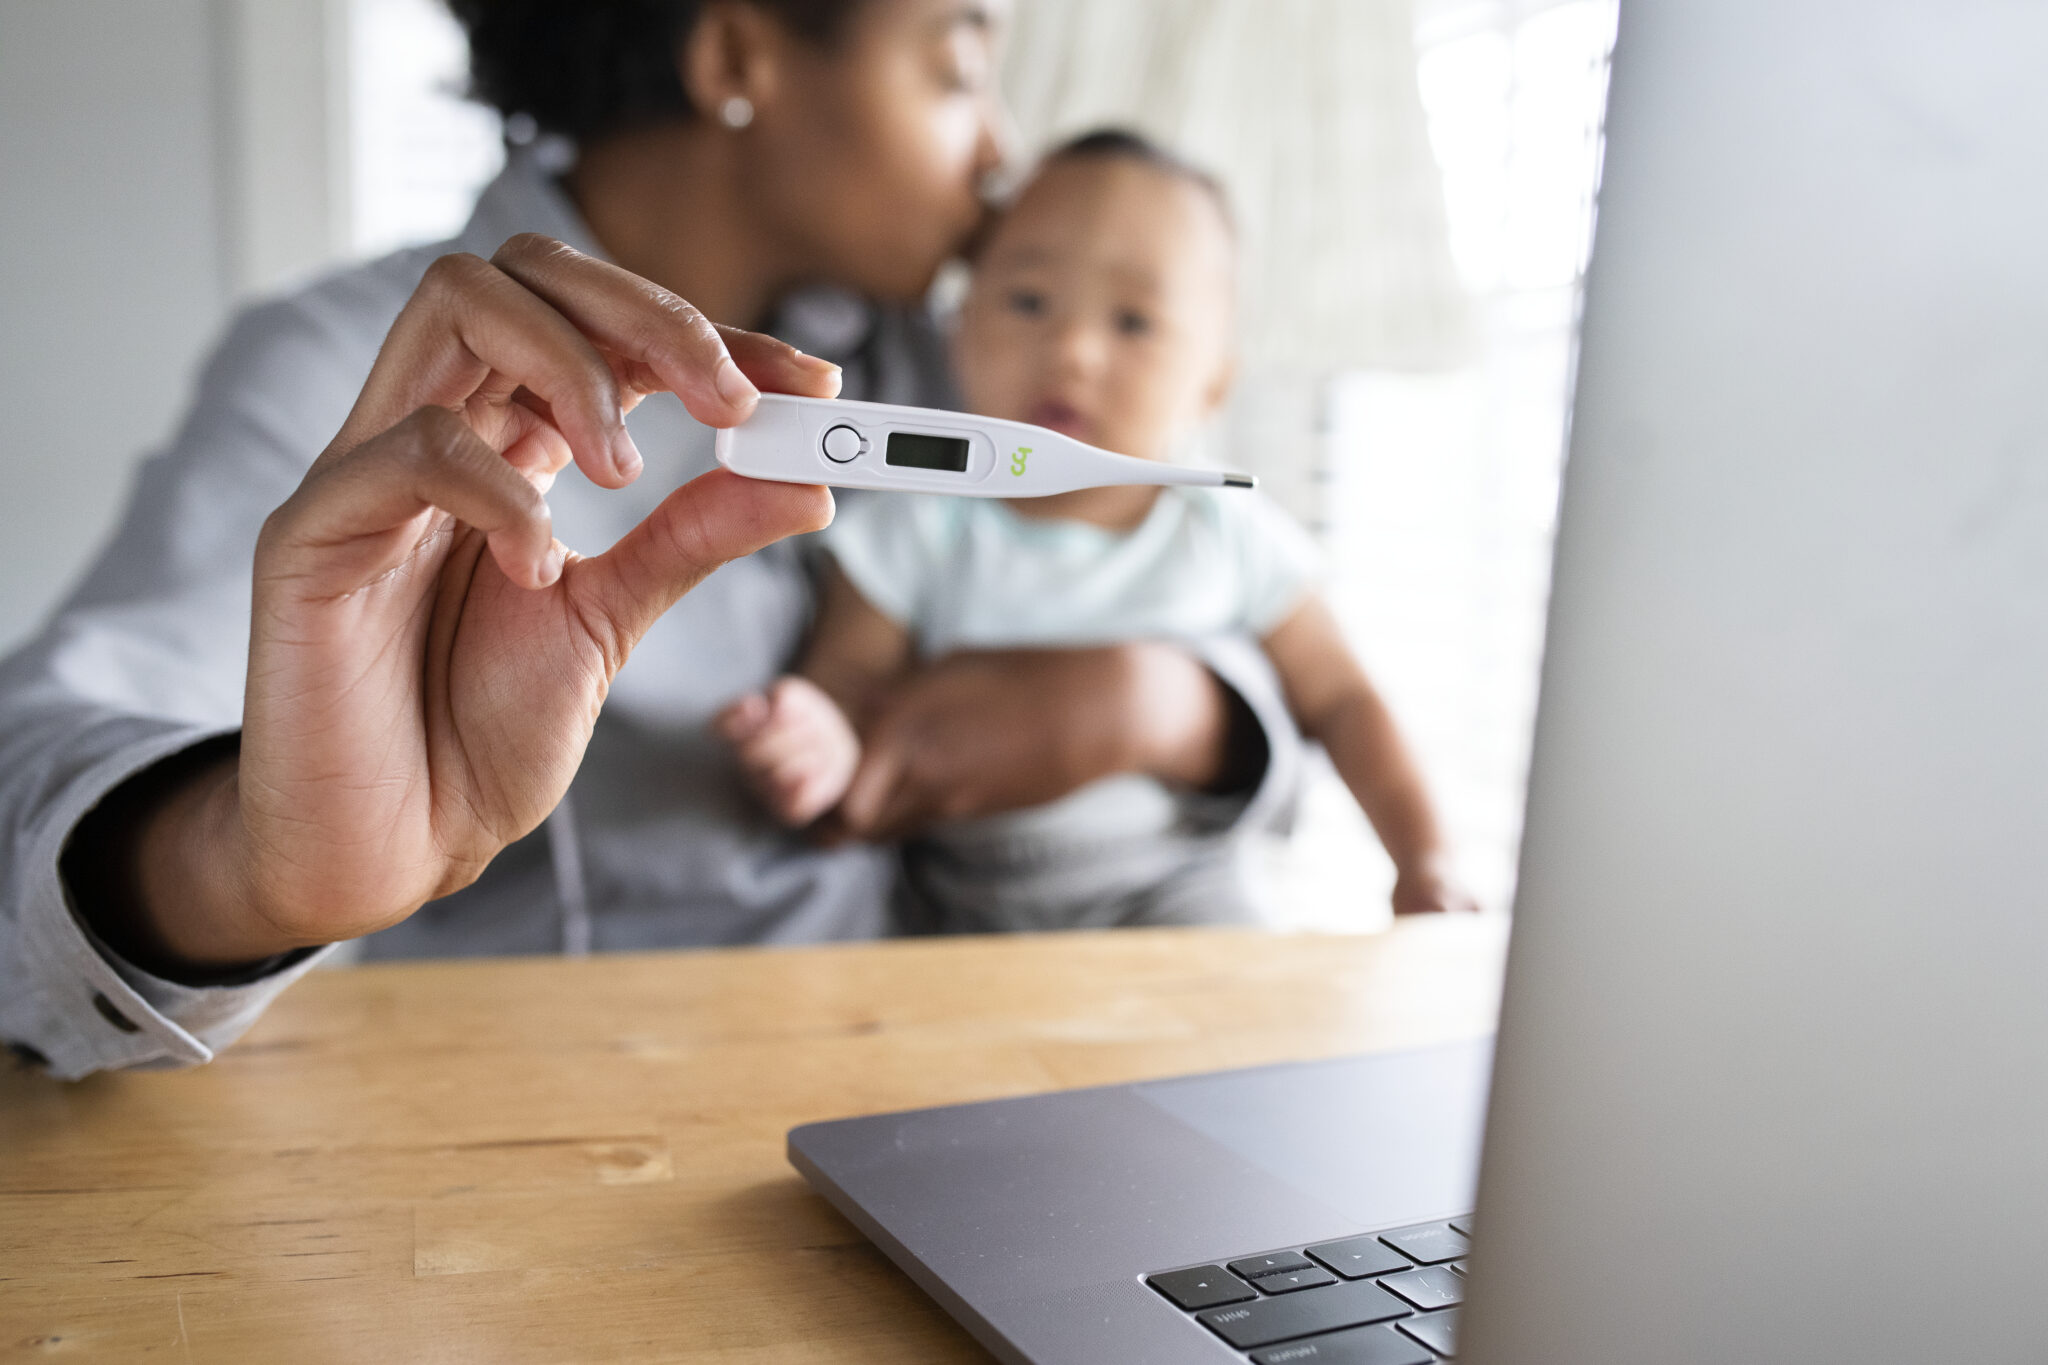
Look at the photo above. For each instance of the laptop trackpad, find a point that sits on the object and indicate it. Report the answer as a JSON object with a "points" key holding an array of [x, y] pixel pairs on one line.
{"points": [[1382, 1140]]}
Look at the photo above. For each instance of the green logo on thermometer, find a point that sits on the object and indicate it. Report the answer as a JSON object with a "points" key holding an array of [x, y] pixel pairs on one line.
{"points": [[1017, 460]]}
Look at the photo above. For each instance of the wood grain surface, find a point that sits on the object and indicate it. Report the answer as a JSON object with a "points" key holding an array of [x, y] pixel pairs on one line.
{"points": [[552, 1160]]}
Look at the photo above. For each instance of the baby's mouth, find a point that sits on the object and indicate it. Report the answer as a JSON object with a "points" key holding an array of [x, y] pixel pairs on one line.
{"points": [[1064, 418]]}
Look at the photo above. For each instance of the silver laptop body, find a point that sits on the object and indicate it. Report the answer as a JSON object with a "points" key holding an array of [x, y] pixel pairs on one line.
{"points": [[1773, 1072], [1772, 1082]]}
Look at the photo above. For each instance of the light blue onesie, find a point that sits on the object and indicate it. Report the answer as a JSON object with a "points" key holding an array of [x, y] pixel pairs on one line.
{"points": [[970, 573]]}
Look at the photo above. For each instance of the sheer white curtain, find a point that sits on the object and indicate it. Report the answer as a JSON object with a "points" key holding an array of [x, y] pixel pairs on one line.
{"points": [[1309, 111]]}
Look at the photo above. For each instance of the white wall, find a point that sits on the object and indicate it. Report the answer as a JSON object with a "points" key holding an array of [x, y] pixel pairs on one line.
{"points": [[112, 273], [158, 159]]}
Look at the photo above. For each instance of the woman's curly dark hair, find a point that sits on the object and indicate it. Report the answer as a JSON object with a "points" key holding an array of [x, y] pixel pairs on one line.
{"points": [[591, 67]]}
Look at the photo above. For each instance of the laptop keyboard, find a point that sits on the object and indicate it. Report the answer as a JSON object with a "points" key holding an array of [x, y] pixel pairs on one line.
{"points": [[1388, 1298]]}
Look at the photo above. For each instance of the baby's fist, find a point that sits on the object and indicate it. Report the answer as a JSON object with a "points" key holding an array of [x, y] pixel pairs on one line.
{"points": [[795, 746], [1429, 889]]}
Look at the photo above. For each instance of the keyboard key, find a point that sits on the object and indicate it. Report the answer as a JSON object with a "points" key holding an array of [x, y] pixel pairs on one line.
{"points": [[1251, 1267], [1287, 1281], [1430, 1288], [1429, 1243], [1203, 1287], [1463, 1225], [1358, 1258], [1363, 1346], [1460, 1267], [1302, 1315], [1437, 1331]]}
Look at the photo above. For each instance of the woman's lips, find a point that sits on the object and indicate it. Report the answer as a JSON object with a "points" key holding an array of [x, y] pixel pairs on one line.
{"points": [[1064, 418]]}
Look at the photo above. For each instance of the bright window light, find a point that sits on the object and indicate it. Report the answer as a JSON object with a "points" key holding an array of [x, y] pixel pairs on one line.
{"points": [[418, 151], [1443, 487]]}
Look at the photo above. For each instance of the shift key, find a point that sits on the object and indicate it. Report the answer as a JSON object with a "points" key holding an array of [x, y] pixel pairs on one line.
{"points": [[1302, 1314]]}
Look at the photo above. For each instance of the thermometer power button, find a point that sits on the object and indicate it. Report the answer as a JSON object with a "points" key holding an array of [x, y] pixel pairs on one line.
{"points": [[843, 444]]}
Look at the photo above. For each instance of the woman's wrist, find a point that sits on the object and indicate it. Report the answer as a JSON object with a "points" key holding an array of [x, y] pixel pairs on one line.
{"points": [[156, 870], [1177, 717], [192, 880]]}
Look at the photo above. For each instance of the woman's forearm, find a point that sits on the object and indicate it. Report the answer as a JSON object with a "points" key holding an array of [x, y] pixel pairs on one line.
{"points": [[979, 733]]}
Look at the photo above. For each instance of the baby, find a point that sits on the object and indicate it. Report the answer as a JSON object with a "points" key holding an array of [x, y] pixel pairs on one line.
{"points": [[1100, 307]]}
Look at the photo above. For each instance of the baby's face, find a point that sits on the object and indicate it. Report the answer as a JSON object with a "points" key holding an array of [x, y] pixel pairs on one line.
{"points": [[1101, 307]]}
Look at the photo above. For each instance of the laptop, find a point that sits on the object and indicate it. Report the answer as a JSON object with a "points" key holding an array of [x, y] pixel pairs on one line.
{"points": [[1771, 1081]]}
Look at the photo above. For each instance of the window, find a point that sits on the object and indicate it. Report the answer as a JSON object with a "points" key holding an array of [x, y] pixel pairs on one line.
{"points": [[418, 151], [1443, 487]]}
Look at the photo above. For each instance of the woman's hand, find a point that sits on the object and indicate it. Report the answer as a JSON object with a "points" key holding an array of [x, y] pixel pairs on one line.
{"points": [[978, 733], [426, 661]]}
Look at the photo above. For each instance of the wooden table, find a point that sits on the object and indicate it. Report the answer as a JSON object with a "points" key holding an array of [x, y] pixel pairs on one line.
{"points": [[547, 1160]]}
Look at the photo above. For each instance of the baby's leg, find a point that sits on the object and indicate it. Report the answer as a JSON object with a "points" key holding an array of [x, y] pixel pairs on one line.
{"points": [[949, 891], [1211, 887], [944, 890]]}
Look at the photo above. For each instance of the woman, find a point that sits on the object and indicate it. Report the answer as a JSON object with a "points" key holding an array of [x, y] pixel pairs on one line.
{"points": [[201, 784]]}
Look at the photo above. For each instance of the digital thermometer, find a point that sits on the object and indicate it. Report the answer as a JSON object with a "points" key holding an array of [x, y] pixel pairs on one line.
{"points": [[929, 450]]}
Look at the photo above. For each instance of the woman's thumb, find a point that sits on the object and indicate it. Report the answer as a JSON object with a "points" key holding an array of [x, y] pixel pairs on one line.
{"points": [[709, 521]]}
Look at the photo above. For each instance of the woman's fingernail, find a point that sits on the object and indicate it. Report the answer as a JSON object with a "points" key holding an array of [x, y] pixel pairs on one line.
{"points": [[625, 455], [824, 369], [733, 386]]}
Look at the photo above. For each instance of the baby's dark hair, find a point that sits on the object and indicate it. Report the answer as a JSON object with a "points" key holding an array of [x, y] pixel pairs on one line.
{"points": [[1128, 145], [592, 67]]}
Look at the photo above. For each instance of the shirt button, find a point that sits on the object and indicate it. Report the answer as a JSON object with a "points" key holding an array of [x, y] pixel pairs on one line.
{"points": [[112, 1015]]}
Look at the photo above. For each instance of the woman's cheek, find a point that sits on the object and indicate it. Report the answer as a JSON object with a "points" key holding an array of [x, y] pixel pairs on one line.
{"points": [[952, 137]]}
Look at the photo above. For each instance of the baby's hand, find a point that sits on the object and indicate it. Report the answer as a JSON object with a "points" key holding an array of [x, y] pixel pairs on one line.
{"points": [[1429, 890], [796, 747]]}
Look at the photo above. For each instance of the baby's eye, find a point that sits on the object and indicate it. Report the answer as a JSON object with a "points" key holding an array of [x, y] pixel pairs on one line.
{"points": [[1028, 303], [1131, 323]]}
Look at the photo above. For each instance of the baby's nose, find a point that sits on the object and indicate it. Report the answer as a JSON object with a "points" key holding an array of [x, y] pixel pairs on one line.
{"points": [[1081, 346]]}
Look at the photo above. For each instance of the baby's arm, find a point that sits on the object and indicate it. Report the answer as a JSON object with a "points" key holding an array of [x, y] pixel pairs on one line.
{"points": [[856, 654], [797, 742], [1335, 703]]}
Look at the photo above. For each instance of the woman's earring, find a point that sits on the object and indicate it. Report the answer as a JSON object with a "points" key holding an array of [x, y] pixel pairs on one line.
{"points": [[736, 112]]}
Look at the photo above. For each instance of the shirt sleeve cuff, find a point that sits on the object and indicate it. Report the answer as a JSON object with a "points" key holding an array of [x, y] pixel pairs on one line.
{"points": [[1240, 665], [70, 1004]]}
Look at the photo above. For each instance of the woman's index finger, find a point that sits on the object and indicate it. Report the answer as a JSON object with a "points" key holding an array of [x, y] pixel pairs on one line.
{"points": [[638, 321], [662, 341], [471, 330]]}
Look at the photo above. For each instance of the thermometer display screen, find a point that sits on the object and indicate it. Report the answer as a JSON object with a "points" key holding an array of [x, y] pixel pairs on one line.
{"points": [[912, 451]]}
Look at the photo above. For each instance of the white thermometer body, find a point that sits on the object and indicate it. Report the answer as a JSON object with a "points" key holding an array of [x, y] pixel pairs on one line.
{"points": [[929, 450]]}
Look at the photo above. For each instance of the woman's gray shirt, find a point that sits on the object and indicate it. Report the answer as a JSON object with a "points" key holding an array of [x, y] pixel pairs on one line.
{"points": [[147, 658]]}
